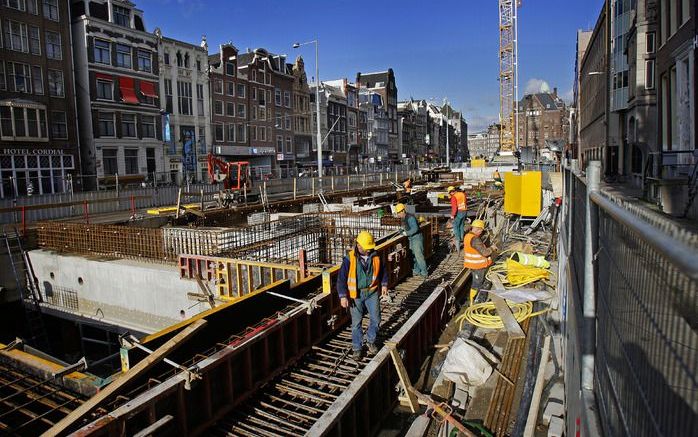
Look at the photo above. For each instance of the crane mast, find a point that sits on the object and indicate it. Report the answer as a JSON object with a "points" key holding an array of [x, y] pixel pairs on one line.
{"points": [[508, 76]]}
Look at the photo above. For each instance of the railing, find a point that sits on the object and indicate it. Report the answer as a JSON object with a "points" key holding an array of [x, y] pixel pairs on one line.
{"points": [[630, 288], [53, 206]]}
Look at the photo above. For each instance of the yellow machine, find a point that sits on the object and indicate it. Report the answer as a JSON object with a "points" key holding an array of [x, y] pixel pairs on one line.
{"points": [[523, 194], [477, 163]]}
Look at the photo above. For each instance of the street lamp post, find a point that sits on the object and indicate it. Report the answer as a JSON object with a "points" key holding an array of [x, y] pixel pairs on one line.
{"points": [[317, 107], [448, 143]]}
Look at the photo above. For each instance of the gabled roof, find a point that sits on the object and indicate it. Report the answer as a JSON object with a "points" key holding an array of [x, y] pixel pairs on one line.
{"points": [[548, 101]]}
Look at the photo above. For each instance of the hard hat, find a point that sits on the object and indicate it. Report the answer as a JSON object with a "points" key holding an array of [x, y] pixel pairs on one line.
{"points": [[478, 224], [451, 188], [365, 240], [400, 207]]}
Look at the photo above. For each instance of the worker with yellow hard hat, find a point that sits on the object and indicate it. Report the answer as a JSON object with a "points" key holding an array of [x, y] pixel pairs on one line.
{"points": [[458, 215], [362, 273], [411, 229], [497, 179], [477, 256]]}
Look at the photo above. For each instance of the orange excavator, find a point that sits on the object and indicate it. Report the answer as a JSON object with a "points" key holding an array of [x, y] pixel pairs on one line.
{"points": [[235, 177]]}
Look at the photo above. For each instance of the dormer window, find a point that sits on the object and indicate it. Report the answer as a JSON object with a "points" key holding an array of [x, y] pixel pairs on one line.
{"points": [[122, 16]]}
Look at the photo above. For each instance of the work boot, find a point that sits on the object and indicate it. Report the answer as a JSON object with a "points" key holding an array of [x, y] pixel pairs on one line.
{"points": [[473, 295], [372, 349], [356, 355]]}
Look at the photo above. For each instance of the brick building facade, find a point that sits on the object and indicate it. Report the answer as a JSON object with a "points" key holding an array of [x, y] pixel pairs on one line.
{"points": [[39, 146]]}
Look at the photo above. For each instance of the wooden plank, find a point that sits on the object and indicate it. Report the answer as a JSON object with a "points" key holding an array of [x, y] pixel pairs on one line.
{"points": [[412, 401], [136, 371], [510, 323], [532, 418]]}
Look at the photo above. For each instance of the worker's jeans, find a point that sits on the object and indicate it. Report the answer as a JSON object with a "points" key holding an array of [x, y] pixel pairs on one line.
{"points": [[459, 229], [419, 265], [478, 277], [366, 302]]}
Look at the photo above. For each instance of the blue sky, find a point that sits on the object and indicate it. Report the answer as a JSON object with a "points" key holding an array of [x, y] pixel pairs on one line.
{"points": [[437, 49]]}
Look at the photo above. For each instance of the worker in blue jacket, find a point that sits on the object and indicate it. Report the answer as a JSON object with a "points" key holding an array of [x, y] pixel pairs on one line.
{"points": [[414, 234], [363, 272]]}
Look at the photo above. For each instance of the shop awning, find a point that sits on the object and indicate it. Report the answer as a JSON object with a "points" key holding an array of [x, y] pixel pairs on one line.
{"points": [[104, 76], [148, 89], [128, 92]]}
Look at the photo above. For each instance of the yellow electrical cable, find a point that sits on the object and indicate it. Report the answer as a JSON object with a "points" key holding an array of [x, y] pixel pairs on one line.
{"points": [[484, 315], [514, 275]]}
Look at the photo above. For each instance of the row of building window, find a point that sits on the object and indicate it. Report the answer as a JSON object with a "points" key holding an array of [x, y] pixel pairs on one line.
{"points": [[235, 133], [24, 78], [231, 88], [106, 122], [36, 174], [110, 160], [105, 86], [184, 98], [231, 110], [278, 98], [280, 144], [30, 124], [20, 37], [123, 55], [50, 7], [182, 61]]}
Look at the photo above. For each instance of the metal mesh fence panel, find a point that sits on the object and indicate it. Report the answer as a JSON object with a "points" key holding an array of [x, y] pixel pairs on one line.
{"points": [[646, 379]]}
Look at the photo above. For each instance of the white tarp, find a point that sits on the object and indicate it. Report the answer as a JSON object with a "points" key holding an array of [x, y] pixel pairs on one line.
{"points": [[468, 363]]}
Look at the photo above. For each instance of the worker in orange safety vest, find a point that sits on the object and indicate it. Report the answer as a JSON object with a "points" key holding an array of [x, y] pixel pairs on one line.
{"points": [[458, 214], [362, 276], [477, 256]]}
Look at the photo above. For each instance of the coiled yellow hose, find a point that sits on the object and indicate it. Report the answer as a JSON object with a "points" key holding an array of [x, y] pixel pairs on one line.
{"points": [[514, 275], [484, 315]]}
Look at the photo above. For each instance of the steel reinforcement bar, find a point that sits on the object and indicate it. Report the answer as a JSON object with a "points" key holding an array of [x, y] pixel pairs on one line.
{"points": [[238, 368]]}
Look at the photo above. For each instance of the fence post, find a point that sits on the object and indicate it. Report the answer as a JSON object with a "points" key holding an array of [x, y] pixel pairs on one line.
{"points": [[348, 181], [86, 211], [589, 303], [364, 180], [570, 203], [381, 178], [312, 186], [295, 185], [116, 179], [332, 182]]}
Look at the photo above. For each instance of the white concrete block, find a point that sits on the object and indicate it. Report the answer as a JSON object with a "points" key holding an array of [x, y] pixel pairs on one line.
{"points": [[552, 409], [557, 392], [556, 427]]}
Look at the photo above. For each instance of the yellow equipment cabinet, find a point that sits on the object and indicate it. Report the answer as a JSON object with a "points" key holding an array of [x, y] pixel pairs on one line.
{"points": [[476, 163], [522, 193]]}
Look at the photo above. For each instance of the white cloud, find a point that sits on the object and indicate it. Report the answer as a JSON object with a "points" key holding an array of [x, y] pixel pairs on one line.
{"points": [[534, 86]]}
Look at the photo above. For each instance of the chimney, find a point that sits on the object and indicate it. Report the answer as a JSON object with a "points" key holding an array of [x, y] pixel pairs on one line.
{"points": [[555, 91]]}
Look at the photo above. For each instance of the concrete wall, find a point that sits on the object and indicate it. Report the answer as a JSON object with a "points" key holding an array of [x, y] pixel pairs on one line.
{"points": [[142, 296]]}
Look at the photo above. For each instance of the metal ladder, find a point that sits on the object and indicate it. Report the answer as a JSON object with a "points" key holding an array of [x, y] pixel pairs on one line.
{"points": [[28, 286]]}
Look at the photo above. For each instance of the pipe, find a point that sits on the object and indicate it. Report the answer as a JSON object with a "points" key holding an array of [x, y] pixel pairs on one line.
{"points": [[589, 301]]}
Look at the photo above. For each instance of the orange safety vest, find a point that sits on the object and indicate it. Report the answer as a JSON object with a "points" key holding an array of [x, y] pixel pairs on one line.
{"points": [[351, 276], [460, 198], [473, 259]]}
